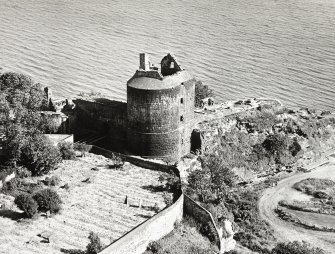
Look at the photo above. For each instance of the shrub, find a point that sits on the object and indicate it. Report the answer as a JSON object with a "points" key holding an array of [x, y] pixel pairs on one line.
{"points": [[48, 200], [296, 248], [320, 194], [154, 247], [201, 92], [26, 203], [51, 181], [117, 162], [95, 245], [167, 199], [66, 150], [11, 186], [22, 172]]}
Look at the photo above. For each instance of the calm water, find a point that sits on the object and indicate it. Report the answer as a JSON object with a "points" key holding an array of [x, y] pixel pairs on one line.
{"points": [[260, 48]]}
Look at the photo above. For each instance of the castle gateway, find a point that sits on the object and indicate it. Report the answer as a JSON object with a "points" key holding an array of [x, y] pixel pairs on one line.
{"points": [[160, 109]]}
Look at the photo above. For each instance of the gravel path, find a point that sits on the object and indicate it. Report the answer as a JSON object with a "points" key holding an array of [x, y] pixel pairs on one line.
{"points": [[285, 231]]}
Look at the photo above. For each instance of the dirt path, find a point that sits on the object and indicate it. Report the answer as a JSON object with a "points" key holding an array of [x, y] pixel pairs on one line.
{"points": [[285, 231]]}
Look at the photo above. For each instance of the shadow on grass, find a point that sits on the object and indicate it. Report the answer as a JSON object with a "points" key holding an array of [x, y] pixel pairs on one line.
{"points": [[152, 188], [72, 251], [144, 216], [11, 214]]}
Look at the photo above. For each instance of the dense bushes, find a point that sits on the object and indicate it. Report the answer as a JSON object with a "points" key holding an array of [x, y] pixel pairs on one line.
{"points": [[254, 232], [42, 200], [48, 200], [319, 188], [26, 203], [201, 92]]}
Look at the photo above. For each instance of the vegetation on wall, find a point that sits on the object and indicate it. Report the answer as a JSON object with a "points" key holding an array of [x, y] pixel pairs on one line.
{"points": [[201, 92]]}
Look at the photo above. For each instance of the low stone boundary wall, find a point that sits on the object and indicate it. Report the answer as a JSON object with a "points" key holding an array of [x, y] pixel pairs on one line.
{"points": [[200, 214], [137, 240]]}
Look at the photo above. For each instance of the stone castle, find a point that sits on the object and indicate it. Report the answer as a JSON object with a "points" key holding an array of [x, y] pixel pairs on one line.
{"points": [[160, 109], [157, 120]]}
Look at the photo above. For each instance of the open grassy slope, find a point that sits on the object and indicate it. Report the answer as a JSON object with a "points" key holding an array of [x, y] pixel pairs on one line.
{"points": [[95, 206]]}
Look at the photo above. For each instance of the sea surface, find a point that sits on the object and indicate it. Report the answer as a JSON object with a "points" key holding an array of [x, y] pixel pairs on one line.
{"points": [[281, 49]]}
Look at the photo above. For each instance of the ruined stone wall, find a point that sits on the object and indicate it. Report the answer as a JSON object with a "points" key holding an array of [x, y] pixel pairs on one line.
{"points": [[107, 118], [110, 111], [153, 122]]}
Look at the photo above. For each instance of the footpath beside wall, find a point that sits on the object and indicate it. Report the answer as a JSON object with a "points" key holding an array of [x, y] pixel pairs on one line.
{"points": [[137, 240]]}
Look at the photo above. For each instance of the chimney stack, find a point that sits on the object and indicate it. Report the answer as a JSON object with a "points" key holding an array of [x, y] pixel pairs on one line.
{"points": [[144, 62]]}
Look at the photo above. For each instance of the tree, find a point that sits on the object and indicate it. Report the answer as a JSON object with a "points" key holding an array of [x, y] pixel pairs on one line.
{"points": [[296, 248], [39, 155], [172, 184], [213, 180], [201, 92], [48, 200], [278, 148], [95, 245], [21, 91], [4, 109], [26, 203]]}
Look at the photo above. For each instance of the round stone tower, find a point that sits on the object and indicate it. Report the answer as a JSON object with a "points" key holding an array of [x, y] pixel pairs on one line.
{"points": [[160, 109]]}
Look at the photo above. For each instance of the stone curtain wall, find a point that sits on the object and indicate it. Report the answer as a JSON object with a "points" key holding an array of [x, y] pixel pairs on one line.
{"points": [[137, 240]]}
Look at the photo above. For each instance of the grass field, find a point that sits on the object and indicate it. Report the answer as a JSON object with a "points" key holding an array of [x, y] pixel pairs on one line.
{"points": [[96, 205], [185, 238], [322, 220]]}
